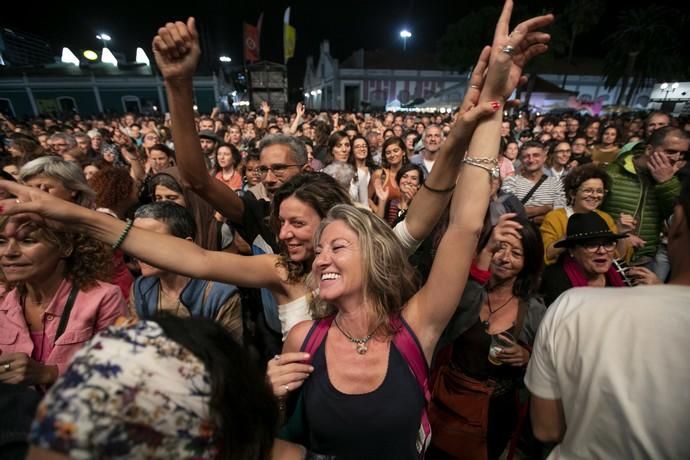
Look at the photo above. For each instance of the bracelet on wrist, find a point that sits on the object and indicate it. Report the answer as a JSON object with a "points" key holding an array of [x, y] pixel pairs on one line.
{"points": [[123, 235], [488, 164], [436, 190]]}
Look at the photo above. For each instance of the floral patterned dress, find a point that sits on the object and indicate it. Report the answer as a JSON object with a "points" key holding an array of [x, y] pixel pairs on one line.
{"points": [[130, 393]]}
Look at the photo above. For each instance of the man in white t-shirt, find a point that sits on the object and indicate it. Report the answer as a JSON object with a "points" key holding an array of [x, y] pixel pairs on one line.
{"points": [[610, 374]]}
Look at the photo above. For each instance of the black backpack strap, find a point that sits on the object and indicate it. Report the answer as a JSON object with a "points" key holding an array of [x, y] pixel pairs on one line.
{"points": [[66, 312], [526, 198]]}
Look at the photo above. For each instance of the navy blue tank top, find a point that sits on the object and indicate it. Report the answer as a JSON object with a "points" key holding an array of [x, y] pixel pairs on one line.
{"points": [[382, 424]]}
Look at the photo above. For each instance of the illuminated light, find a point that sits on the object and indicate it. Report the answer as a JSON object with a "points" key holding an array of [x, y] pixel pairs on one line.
{"points": [[225, 59], [107, 57], [313, 93], [90, 55], [155, 108], [104, 37], [142, 58], [664, 85], [195, 107], [318, 91], [68, 57], [405, 33], [306, 94]]}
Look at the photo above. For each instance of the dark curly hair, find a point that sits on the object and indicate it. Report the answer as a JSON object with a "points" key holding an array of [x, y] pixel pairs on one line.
{"points": [[111, 185], [88, 262], [319, 191], [581, 174]]}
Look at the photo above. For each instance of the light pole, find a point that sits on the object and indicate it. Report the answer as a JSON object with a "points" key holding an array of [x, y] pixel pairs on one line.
{"points": [[405, 34], [105, 38]]}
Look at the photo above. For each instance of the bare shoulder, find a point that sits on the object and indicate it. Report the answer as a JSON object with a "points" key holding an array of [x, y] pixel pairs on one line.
{"points": [[296, 336]]}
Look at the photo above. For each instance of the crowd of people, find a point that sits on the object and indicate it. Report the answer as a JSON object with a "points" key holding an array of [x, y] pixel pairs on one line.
{"points": [[345, 285]]}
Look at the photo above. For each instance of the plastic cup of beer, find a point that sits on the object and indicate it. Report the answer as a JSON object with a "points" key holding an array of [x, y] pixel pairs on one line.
{"points": [[498, 343]]}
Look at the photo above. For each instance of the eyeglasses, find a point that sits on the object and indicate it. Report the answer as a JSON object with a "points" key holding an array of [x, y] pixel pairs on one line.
{"points": [[594, 191], [277, 169], [593, 247]]}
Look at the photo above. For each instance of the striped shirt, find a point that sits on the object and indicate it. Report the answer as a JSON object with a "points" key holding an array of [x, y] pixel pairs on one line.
{"points": [[550, 192]]}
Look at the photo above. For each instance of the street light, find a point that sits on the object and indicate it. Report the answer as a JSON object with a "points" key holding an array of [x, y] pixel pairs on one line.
{"points": [[405, 34], [68, 57], [104, 38], [91, 55], [225, 59], [666, 88]]}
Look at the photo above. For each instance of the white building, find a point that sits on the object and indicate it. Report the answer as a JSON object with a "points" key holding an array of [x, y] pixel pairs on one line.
{"points": [[375, 80]]}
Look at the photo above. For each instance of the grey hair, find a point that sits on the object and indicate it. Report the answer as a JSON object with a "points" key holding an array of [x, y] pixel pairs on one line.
{"points": [[432, 125], [68, 138], [299, 152], [341, 172], [67, 172], [178, 218]]}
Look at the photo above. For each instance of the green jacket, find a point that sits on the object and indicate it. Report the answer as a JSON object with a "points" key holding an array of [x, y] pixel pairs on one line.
{"points": [[640, 196]]}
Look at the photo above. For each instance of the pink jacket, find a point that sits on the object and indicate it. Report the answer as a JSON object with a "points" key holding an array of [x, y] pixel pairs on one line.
{"points": [[93, 311]]}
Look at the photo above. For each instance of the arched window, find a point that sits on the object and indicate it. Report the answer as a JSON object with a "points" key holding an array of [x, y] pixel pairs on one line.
{"points": [[131, 104]]}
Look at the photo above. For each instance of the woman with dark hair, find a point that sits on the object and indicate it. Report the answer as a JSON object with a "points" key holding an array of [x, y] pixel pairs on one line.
{"points": [[216, 403], [363, 163], [499, 298], [337, 160], [228, 166], [55, 300], [409, 179], [588, 258], [167, 186], [606, 151], [393, 157], [585, 189]]}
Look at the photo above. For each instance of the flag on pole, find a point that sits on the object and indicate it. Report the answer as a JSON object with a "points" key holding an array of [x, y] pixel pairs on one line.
{"points": [[289, 36], [251, 36]]}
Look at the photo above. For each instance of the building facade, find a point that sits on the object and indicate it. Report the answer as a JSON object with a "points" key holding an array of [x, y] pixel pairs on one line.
{"points": [[89, 93], [374, 80]]}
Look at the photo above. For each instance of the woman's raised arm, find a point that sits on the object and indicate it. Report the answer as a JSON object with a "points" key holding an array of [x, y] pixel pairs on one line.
{"points": [[430, 309], [164, 251]]}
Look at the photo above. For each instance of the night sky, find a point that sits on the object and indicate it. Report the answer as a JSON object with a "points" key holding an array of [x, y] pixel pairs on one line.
{"points": [[348, 25]]}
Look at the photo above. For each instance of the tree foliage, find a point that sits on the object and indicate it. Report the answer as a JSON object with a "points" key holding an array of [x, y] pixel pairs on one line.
{"points": [[647, 45]]}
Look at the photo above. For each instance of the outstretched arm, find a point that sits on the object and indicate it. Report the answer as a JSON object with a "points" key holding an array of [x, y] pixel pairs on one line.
{"points": [[430, 309], [176, 49], [164, 251]]}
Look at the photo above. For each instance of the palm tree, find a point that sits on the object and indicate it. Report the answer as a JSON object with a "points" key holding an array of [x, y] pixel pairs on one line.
{"points": [[644, 47]]}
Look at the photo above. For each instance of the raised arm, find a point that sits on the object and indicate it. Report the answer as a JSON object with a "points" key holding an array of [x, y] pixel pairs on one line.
{"points": [[164, 251], [299, 118], [430, 309], [176, 49], [433, 198]]}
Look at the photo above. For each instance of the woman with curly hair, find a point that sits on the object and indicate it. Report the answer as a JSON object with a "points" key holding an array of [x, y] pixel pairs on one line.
{"points": [[55, 301], [585, 189]]}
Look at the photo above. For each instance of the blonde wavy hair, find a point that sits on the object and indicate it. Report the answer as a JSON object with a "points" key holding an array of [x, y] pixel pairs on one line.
{"points": [[88, 262], [389, 280]]}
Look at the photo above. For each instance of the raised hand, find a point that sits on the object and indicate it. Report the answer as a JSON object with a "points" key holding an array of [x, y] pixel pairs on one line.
{"points": [[176, 49], [511, 51], [299, 110], [506, 230], [661, 168], [265, 107], [382, 192], [33, 205]]}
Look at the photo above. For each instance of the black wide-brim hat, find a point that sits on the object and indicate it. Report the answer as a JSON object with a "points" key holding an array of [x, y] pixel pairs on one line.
{"points": [[586, 227]]}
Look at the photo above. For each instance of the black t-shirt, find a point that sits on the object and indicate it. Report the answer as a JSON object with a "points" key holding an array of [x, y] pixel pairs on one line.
{"points": [[255, 221]]}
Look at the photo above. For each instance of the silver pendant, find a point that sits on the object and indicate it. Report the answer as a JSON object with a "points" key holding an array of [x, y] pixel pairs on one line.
{"points": [[362, 348]]}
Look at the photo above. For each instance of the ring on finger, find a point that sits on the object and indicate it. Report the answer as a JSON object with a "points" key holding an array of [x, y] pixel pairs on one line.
{"points": [[7, 366], [277, 357], [476, 87], [287, 388], [508, 49]]}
